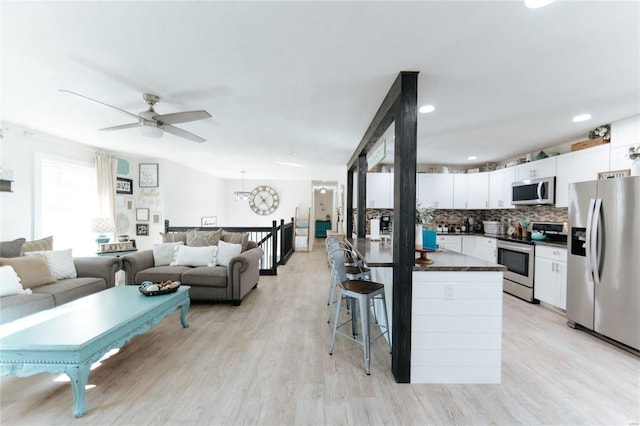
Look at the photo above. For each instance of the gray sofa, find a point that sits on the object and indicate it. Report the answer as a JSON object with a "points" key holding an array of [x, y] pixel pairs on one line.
{"points": [[94, 274], [208, 283]]}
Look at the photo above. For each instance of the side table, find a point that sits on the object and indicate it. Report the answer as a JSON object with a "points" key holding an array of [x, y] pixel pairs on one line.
{"points": [[120, 277]]}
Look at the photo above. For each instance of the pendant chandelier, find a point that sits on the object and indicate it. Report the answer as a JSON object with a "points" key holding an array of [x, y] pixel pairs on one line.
{"points": [[242, 195]]}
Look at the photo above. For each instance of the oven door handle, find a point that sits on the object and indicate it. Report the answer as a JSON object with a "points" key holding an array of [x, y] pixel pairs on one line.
{"points": [[521, 248]]}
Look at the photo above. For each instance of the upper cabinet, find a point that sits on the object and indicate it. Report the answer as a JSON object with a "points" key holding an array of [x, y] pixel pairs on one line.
{"points": [[460, 188], [579, 166], [624, 134], [478, 191], [380, 190], [500, 188], [536, 169], [435, 190]]}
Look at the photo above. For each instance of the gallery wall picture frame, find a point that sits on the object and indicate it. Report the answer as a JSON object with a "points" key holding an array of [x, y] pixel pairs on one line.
{"points": [[142, 214], [209, 222], [142, 229], [124, 186], [156, 218], [148, 175]]}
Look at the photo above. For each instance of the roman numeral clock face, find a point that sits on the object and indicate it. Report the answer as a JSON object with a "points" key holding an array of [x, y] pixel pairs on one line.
{"points": [[265, 200]]}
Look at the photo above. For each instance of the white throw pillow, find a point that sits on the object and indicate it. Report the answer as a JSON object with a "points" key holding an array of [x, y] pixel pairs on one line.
{"points": [[10, 282], [226, 251], [195, 256], [163, 254], [60, 263]]}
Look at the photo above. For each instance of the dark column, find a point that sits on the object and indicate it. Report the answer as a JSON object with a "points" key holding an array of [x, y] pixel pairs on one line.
{"points": [[404, 204], [349, 212], [362, 196]]}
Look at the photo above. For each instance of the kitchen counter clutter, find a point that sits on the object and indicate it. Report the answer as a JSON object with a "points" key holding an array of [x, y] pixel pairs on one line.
{"points": [[380, 254]]}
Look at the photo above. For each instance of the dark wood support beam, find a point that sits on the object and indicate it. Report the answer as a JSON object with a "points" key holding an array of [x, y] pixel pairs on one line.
{"points": [[404, 204], [349, 212], [362, 196]]}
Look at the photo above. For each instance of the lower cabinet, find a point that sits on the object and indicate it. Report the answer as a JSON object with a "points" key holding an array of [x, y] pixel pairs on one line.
{"points": [[551, 275], [450, 242]]}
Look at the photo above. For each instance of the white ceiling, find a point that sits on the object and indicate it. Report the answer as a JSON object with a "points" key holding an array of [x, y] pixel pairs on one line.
{"points": [[299, 82]]}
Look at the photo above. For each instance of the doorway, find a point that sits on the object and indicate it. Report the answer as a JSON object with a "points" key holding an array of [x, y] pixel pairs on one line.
{"points": [[324, 212]]}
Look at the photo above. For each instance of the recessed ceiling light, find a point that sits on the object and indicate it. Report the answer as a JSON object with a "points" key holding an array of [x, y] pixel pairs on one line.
{"points": [[537, 4], [472, 157], [425, 109], [581, 117]]}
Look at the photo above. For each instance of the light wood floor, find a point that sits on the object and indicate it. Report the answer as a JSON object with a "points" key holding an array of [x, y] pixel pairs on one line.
{"points": [[266, 362]]}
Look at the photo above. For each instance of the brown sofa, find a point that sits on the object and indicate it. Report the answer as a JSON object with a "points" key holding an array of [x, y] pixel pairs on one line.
{"points": [[208, 283], [94, 274]]}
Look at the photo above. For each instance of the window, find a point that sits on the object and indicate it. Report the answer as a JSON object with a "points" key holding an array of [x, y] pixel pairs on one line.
{"points": [[67, 203]]}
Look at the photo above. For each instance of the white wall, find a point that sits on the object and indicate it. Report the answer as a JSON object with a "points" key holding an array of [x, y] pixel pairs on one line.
{"points": [[183, 197], [17, 153]]}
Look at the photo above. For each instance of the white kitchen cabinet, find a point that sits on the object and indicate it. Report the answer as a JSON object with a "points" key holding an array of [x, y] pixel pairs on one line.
{"points": [[471, 191], [536, 169], [625, 132], [486, 249], [469, 245], [380, 190], [551, 275], [450, 242], [579, 166], [435, 190], [500, 188], [460, 188], [478, 191]]}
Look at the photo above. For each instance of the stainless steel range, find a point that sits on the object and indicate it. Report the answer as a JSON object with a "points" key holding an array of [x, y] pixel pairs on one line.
{"points": [[518, 255]]}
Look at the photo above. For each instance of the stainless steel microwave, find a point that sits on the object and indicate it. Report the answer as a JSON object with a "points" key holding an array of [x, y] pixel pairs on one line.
{"points": [[534, 191]]}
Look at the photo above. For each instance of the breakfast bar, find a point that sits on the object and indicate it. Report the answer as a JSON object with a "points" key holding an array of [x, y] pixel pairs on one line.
{"points": [[456, 313]]}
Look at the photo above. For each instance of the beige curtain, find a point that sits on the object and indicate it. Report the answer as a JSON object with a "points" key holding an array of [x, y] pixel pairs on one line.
{"points": [[106, 173]]}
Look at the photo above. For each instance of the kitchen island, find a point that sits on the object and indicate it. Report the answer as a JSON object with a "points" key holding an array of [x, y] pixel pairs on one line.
{"points": [[456, 318]]}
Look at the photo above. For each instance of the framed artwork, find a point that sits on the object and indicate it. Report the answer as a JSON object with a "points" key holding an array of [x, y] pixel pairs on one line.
{"points": [[156, 218], [148, 175], [142, 215], [142, 229], [614, 174], [210, 221], [124, 186]]}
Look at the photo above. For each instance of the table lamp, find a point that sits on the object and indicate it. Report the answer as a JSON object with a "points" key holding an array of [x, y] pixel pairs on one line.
{"points": [[102, 225]]}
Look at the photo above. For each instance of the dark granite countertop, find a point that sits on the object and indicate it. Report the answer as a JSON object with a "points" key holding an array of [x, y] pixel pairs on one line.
{"points": [[380, 254], [505, 237]]}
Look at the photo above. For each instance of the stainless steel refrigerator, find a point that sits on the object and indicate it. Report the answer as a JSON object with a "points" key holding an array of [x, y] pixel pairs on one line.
{"points": [[603, 265]]}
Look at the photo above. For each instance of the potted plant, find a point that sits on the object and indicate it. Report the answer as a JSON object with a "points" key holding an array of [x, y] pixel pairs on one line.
{"points": [[424, 227]]}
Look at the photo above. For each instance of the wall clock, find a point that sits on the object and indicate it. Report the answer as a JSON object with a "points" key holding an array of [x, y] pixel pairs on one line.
{"points": [[264, 200]]}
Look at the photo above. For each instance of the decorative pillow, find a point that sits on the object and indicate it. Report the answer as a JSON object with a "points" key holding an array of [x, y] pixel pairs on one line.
{"points": [[60, 263], [241, 238], [44, 244], [11, 248], [226, 251], [10, 282], [163, 254], [195, 256], [197, 238], [32, 270], [174, 237]]}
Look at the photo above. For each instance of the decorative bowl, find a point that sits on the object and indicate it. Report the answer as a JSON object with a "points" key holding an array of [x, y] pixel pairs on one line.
{"points": [[538, 236], [153, 289]]}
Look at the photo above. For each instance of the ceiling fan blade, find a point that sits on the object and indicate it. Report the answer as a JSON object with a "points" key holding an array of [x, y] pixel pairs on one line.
{"points": [[122, 126], [102, 103], [182, 133], [182, 117]]}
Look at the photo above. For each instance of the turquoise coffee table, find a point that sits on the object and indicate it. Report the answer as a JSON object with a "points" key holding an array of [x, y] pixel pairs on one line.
{"points": [[69, 338]]}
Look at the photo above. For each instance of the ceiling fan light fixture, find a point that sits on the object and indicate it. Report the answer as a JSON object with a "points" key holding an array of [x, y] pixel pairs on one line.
{"points": [[151, 130]]}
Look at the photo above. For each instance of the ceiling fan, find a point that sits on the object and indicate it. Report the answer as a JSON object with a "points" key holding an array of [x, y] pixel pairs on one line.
{"points": [[151, 123]]}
